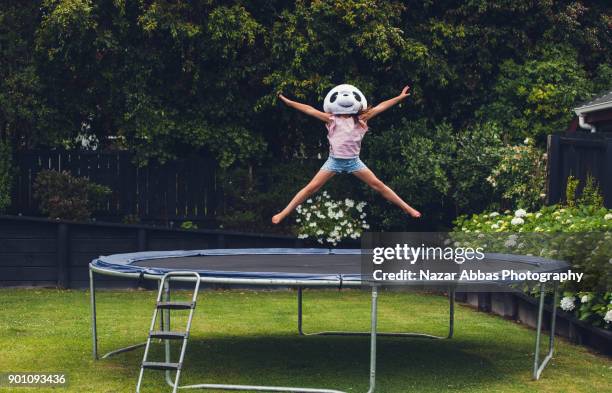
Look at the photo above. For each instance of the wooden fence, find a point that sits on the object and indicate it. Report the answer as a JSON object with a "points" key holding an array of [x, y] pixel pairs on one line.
{"points": [[579, 155], [44, 252], [178, 190]]}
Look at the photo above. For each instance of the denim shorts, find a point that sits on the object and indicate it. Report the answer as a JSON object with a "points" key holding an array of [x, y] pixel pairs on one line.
{"points": [[340, 165]]}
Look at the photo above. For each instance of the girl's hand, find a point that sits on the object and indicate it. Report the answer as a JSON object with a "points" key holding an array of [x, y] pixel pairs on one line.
{"points": [[405, 92], [282, 97]]}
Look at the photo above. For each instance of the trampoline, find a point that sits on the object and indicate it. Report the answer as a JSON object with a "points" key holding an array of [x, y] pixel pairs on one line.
{"points": [[283, 267]]}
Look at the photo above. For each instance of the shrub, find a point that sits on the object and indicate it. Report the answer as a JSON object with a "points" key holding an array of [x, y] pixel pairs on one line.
{"points": [[253, 195], [520, 176], [189, 225], [329, 221], [534, 98], [130, 219], [591, 195], [6, 175], [62, 195], [570, 191], [581, 235], [477, 151], [412, 159]]}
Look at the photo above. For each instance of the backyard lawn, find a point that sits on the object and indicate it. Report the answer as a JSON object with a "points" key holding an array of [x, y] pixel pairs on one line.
{"points": [[249, 337]]}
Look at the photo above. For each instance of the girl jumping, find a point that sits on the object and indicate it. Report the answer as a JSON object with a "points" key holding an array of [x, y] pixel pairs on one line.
{"points": [[346, 117]]}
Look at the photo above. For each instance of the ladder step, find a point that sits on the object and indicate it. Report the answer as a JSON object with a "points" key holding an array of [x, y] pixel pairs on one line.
{"points": [[168, 335], [176, 305], [161, 365]]}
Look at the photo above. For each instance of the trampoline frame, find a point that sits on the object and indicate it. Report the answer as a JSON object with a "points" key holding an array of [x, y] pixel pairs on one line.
{"points": [[538, 367]]}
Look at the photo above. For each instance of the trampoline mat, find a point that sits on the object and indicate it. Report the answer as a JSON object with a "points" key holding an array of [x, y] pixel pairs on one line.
{"points": [[283, 263], [278, 265]]}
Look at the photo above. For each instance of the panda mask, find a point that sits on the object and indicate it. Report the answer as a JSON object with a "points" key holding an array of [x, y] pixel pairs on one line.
{"points": [[344, 100]]}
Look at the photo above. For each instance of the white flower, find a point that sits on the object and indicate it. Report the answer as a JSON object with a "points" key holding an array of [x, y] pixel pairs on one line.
{"points": [[320, 232], [517, 221], [608, 216], [494, 226], [538, 215], [526, 141], [567, 303], [584, 299], [520, 213], [510, 243], [313, 224], [299, 208], [349, 202], [309, 201], [303, 236], [298, 220], [608, 317], [494, 214]]}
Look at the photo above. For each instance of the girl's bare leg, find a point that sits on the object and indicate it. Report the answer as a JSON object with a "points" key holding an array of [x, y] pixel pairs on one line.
{"points": [[315, 184], [371, 180]]}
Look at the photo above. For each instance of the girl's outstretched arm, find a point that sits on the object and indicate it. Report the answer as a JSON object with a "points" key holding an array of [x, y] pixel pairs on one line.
{"points": [[307, 109], [383, 106]]}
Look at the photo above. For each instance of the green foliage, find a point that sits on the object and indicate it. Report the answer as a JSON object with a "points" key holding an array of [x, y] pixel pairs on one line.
{"points": [[130, 219], [412, 158], [329, 221], [594, 308], [570, 191], [535, 98], [204, 67], [189, 225], [64, 196], [477, 151], [581, 235], [173, 79], [6, 175], [520, 176], [591, 194]]}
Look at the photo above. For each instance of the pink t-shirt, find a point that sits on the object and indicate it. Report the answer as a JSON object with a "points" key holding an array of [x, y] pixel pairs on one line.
{"points": [[345, 135]]}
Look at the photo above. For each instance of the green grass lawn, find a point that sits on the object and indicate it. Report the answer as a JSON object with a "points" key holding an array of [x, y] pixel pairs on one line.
{"points": [[248, 337]]}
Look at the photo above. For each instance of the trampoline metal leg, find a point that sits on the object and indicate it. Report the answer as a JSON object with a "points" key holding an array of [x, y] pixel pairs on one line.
{"points": [[299, 299], [537, 366], [92, 306], [94, 327], [372, 375], [373, 328], [451, 312], [300, 322]]}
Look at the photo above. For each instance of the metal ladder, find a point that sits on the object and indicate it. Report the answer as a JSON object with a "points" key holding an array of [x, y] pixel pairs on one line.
{"points": [[166, 305]]}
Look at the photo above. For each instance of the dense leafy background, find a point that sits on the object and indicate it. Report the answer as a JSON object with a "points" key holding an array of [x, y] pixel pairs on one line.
{"points": [[169, 79]]}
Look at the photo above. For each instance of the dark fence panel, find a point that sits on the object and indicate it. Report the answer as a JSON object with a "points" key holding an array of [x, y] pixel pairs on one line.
{"points": [[42, 252], [179, 190], [578, 155]]}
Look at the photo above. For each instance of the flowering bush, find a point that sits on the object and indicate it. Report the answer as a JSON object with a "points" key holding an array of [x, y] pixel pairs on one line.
{"points": [[329, 221], [595, 308], [582, 235], [62, 195], [520, 176]]}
